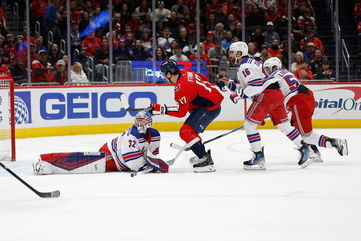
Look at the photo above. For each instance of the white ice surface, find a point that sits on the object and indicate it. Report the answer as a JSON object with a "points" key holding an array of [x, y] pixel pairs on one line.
{"points": [[321, 202]]}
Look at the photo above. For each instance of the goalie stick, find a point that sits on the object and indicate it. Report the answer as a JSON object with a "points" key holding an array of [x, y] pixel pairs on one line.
{"points": [[40, 194], [179, 147]]}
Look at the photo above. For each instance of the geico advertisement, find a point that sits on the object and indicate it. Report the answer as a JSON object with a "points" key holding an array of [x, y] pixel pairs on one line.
{"points": [[44, 107], [337, 101]]}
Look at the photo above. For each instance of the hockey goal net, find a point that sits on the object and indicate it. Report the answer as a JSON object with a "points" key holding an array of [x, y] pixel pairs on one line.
{"points": [[7, 119]]}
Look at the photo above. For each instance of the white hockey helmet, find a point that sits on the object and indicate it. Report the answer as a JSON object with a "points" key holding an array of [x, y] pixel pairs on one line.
{"points": [[239, 49], [271, 62], [143, 121]]}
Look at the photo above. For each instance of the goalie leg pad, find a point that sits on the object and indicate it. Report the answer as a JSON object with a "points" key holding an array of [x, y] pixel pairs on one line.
{"points": [[75, 162]]}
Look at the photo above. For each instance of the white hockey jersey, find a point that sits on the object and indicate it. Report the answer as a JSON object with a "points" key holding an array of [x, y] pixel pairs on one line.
{"points": [[288, 82], [129, 149], [253, 79]]}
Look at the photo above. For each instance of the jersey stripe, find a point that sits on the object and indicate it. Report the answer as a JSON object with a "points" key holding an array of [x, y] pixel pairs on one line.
{"points": [[115, 151]]}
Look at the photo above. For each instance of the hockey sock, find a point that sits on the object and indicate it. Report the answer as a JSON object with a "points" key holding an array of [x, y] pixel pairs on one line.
{"points": [[253, 136], [317, 139], [199, 149], [292, 133]]}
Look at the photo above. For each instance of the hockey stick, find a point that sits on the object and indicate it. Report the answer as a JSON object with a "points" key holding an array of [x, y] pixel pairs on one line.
{"points": [[40, 194], [179, 147], [123, 102], [170, 162]]}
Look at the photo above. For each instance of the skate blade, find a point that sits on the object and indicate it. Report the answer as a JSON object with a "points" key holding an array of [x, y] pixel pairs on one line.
{"points": [[317, 159], [344, 147], [210, 168], [255, 167], [306, 163]]}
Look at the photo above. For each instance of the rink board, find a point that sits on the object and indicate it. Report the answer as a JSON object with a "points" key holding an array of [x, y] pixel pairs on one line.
{"points": [[70, 110]]}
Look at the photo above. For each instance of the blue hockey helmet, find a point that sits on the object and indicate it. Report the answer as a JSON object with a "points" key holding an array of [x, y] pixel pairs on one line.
{"points": [[169, 66], [143, 121]]}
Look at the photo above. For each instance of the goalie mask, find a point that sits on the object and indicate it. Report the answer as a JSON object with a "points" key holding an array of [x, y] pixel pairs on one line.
{"points": [[143, 121]]}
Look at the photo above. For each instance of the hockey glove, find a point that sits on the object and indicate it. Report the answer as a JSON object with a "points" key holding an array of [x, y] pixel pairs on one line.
{"points": [[157, 164], [237, 95], [158, 109], [225, 82]]}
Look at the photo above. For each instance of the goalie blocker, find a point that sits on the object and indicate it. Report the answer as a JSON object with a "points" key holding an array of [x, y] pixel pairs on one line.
{"points": [[134, 150]]}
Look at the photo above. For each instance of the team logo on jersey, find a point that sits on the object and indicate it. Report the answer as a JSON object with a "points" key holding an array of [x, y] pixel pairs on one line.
{"points": [[22, 108]]}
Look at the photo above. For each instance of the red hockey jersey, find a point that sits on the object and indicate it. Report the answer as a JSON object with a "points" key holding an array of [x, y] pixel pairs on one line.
{"points": [[194, 91]]}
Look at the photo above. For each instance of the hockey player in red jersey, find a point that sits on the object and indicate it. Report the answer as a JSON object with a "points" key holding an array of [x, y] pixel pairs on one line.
{"points": [[193, 93], [301, 102], [134, 150]]}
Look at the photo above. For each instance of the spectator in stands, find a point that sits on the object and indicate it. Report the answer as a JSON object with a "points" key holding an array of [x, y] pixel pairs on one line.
{"points": [[38, 8], [173, 22], [146, 39], [59, 74], [4, 69], [303, 72], [305, 19], [2, 45], [125, 14], [209, 42], [182, 38], [299, 61], [170, 51], [178, 54], [92, 43], [264, 53], [269, 34], [359, 36], [121, 53], [231, 22], [101, 58], [275, 50], [257, 17], [138, 51], [227, 40], [211, 7], [210, 22], [299, 6], [216, 54], [179, 7], [39, 43], [309, 52], [325, 72], [252, 49], [10, 51], [143, 11], [84, 59], [3, 23], [203, 55], [20, 46], [74, 36], [316, 63], [50, 16], [18, 70], [129, 40], [84, 21], [271, 15], [161, 12], [310, 37], [77, 74], [257, 36], [54, 54], [40, 68], [160, 54], [219, 32], [166, 40], [357, 11]]}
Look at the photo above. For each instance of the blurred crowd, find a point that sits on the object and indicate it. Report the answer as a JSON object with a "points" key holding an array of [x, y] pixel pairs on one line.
{"points": [[266, 24]]}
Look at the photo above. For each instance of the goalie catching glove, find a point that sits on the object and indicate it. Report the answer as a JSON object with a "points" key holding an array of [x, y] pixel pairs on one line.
{"points": [[158, 165]]}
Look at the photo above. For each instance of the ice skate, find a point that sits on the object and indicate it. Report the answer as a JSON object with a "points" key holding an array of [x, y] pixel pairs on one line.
{"points": [[315, 154], [205, 164], [340, 145], [256, 163], [305, 152]]}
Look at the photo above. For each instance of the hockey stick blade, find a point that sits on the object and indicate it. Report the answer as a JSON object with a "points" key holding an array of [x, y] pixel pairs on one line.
{"points": [[53, 194]]}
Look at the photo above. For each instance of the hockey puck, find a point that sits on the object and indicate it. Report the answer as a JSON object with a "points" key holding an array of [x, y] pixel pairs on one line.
{"points": [[133, 174]]}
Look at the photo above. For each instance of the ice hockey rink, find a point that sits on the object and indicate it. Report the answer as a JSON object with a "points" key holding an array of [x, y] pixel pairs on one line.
{"points": [[285, 202]]}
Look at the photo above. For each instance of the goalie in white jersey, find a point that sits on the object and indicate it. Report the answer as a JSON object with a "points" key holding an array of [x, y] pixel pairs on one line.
{"points": [[134, 150], [267, 100], [301, 102]]}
